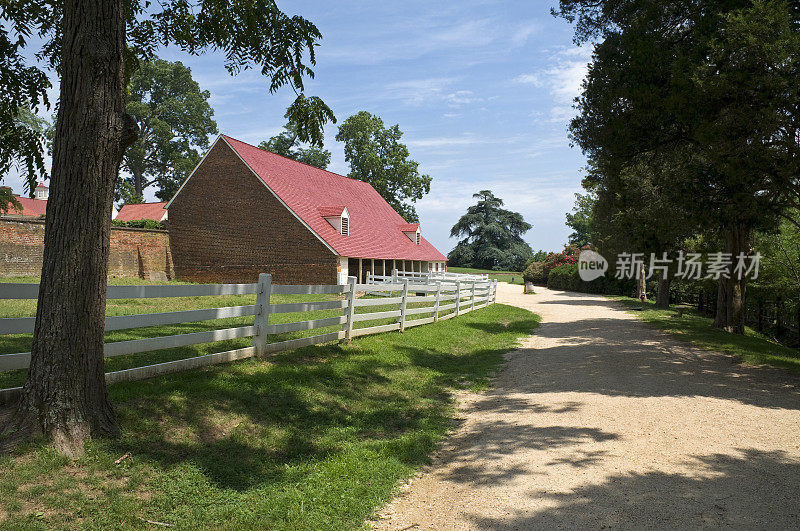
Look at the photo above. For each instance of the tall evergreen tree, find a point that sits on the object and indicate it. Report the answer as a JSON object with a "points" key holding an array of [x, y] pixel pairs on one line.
{"points": [[492, 236]]}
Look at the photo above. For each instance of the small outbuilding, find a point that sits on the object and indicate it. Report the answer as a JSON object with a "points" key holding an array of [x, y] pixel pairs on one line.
{"points": [[245, 211], [137, 211]]}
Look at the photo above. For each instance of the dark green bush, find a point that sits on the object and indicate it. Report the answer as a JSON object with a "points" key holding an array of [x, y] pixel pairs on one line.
{"points": [[139, 224], [536, 273], [565, 277]]}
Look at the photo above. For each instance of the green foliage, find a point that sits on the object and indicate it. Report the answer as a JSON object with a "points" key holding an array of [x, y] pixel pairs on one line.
{"points": [[565, 277], [377, 156], [26, 158], [8, 203], [568, 256], [536, 273], [492, 236], [24, 85], [175, 121], [139, 224], [538, 256], [695, 103], [249, 34], [780, 264], [580, 220], [288, 144], [667, 80]]}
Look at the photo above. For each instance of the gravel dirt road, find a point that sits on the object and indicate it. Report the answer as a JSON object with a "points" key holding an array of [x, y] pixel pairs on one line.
{"points": [[600, 421]]}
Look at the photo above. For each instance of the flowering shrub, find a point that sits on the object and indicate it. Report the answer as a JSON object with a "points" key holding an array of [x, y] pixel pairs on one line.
{"points": [[566, 257]]}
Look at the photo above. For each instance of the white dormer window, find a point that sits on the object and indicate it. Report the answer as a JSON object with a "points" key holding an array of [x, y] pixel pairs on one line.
{"points": [[338, 217], [411, 230]]}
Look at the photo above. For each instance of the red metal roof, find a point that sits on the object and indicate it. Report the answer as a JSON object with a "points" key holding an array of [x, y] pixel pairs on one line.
{"points": [[408, 227], [142, 211], [331, 211], [374, 225], [30, 207]]}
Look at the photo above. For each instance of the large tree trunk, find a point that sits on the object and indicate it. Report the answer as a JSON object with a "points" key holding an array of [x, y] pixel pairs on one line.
{"points": [[731, 291], [662, 297], [65, 397]]}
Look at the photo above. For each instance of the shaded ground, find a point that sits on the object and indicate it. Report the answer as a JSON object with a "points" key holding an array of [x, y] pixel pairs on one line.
{"points": [[601, 421]]}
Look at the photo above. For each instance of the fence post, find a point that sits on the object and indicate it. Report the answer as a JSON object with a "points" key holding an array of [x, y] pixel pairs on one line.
{"points": [[394, 276], [403, 305], [436, 304], [369, 277], [458, 296], [351, 309], [262, 313], [472, 299]]}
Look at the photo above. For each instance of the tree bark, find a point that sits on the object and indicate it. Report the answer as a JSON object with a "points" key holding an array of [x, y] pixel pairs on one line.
{"points": [[641, 283], [662, 297], [65, 397], [731, 291]]}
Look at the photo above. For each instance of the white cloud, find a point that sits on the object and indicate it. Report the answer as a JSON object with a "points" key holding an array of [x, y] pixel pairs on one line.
{"points": [[438, 142], [524, 32], [416, 91], [461, 97], [562, 78], [529, 79]]}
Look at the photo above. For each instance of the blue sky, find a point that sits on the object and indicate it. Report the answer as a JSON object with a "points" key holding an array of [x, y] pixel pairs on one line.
{"points": [[482, 90]]}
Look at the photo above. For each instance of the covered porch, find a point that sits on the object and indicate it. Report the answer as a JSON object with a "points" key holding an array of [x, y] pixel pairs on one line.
{"points": [[360, 267]]}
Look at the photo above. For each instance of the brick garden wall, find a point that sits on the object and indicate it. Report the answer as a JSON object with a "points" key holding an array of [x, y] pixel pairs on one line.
{"points": [[134, 252], [226, 226]]}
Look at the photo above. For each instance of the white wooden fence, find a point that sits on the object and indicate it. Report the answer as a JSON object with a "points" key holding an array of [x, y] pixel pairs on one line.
{"points": [[425, 278], [433, 301]]}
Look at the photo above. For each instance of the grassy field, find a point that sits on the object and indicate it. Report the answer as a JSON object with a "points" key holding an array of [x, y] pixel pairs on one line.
{"points": [[27, 308], [502, 276], [752, 347], [314, 438]]}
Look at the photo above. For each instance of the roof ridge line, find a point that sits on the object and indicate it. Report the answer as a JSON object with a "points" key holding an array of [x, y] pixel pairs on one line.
{"points": [[293, 160]]}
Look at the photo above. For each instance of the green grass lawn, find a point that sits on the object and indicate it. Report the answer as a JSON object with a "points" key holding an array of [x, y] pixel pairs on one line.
{"points": [[753, 347], [500, 276], [10, 344], [315, 438]]}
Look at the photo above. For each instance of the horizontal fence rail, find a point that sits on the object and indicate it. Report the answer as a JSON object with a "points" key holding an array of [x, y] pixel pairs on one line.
{"points": [[408, 300]]}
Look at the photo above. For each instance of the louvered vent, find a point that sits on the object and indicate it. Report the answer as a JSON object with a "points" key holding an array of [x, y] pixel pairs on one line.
{"points": [[345, 226], [419, 238]]}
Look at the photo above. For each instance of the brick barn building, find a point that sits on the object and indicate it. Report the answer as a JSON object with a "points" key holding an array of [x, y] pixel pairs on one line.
{"points": [[245, 211]]}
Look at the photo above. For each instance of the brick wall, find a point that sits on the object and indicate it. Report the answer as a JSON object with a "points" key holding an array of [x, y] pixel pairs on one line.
{"points": [[134, 252], [226, 226]]}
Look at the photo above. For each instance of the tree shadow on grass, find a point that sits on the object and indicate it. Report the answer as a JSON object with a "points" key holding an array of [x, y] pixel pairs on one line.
{"points": [[752, 489], [242, 425]]}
